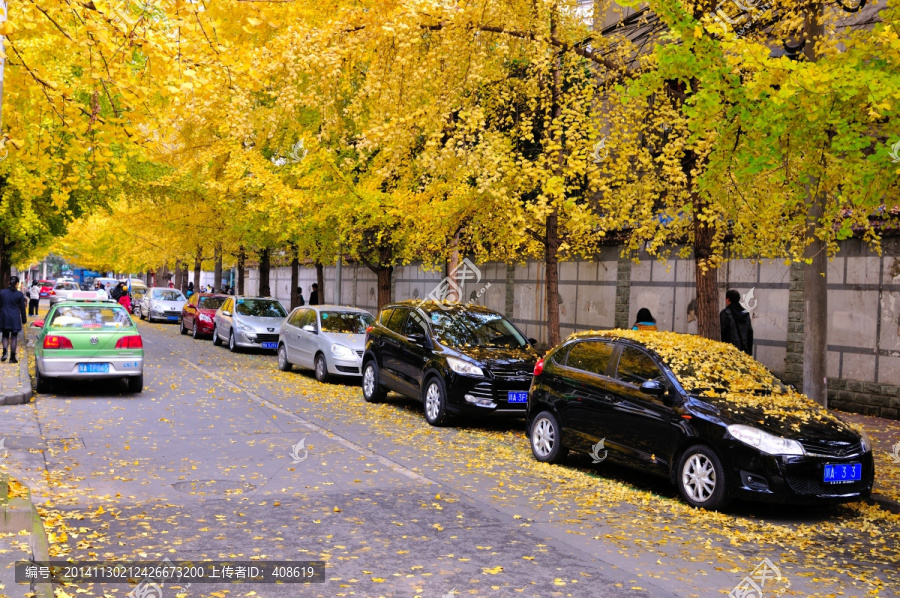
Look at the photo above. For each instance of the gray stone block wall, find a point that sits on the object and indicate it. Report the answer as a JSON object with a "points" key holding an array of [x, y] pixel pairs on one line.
{"points": [[870, 398], [793, 366]]}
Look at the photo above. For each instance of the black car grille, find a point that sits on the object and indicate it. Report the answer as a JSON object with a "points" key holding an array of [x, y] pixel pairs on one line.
{"points": [[360, 353], [497, 391], [171, 313], [512, 370], [345, 369], [267, 338], [483, 390], [834, 450], [817, 487]]}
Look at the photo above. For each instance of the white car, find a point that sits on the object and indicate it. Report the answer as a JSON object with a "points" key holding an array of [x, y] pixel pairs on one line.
{"points": [[69, 289], [162, 303]]}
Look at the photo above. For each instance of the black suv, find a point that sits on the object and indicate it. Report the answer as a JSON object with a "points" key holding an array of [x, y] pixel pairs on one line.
{"points": [[456, 359]]}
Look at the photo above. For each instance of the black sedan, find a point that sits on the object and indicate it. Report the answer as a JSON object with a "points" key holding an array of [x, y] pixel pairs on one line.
{"points": [[457, 359], [707, 416]]}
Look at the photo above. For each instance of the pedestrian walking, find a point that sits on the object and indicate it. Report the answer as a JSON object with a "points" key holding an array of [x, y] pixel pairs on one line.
{"points": [[314, 294], [125, 301], [34, 298], [300, 300], [171, 284], [645, 320], [734, 320], [12, 316], [190, 290], [118, 291]]}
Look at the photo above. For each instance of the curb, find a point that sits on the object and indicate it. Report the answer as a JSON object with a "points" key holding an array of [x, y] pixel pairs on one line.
{"points": [[20, 514], [25, 391], [885, 503]]}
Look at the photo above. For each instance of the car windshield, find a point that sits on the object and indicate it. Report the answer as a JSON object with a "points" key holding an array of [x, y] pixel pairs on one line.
{"points": [[66, 286], [211, 302], [457, 328], [168, 295], [344, 321], [86, 316], [260, 308]]}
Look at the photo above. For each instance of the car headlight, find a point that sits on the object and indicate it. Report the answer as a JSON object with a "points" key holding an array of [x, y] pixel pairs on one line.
{"points": [[205, 318], [244, 328], [341, 351], [464, 367], [765, 442], [865, 441]]}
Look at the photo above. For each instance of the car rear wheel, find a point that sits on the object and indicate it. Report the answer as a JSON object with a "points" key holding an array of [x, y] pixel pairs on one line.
{"points": [[321, 368], [372, 390], [546, 439], [435, 402], [41, 384], [136, 383], [232, 344], [701, 478], [283, 364], [216, 340], [183, 329]]}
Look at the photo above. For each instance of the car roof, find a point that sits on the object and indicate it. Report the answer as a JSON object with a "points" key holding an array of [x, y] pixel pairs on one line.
{"points": [[444, 306], [335, 308], [90, 303]]}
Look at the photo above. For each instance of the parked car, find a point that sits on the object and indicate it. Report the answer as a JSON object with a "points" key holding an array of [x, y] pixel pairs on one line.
{"points": [[328, 339], [700, 412], [199, 313], [68, 289], [456, 359], [138, 290], [88, 340], [161, 303], [250, 322], [46, 287]]}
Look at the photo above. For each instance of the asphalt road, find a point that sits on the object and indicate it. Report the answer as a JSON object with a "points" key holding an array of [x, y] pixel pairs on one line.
{"points": [[224, 457]]}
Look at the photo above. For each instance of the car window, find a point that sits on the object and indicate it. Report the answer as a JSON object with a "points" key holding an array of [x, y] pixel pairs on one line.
{"points": [[66, 286], [457, 328], [397, 320], [590, 356], [309, 319], [80, 316], [345, 322], [385, 316], [636, 367], [296, 316], [260, 308], [168, 295], [415, 323], [209, 302]]}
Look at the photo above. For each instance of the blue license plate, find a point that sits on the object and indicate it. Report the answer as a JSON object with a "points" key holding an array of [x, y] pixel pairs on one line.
{"points": [[839, 473], [270, 345], [93, 368], [173, 318], [516, 397]]}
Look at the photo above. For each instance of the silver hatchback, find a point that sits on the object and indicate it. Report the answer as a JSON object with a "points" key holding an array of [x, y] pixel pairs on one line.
{"points": [[327, 339], [249, 322]]}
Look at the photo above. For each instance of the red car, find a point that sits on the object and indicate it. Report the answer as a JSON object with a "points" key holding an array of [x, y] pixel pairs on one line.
{"points": [[46, 287], [198, 313]]}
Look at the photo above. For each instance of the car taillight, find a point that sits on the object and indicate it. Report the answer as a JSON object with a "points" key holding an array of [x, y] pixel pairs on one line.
{"points": [[130, 342], [52, 292], [539, 367], [369, 329], [57, 342]]}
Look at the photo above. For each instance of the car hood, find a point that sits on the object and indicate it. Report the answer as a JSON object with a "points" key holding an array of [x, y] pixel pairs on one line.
{"points": [[172, 305], [206, 311], [357, 342], [797, 418], [502, 358], [261, 324]]}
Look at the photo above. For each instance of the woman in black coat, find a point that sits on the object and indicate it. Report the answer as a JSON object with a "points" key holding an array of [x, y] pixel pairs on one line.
{"points": [[12, 316]]}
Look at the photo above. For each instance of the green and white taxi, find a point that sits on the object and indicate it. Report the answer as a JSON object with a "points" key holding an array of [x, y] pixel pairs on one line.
{"points": [[88, 340]]}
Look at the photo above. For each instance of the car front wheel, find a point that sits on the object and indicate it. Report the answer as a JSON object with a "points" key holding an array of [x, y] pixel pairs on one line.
{"points": [[216, 340], [283, 364], [141, 313], [546, 439], [436, 403], [183, 329], [232, 343], [372, 390], [195, 333], [701, 478]]}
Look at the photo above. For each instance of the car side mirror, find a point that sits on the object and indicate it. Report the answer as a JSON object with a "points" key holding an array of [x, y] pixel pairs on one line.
{"points": [[310, 328], [531, 341], [654, 388], [226, 313], [37, 324], [417, 338]]}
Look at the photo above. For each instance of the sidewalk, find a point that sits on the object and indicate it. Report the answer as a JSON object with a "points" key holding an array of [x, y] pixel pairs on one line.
{"points": [[15, 379], [885, 436], [22, 538]]}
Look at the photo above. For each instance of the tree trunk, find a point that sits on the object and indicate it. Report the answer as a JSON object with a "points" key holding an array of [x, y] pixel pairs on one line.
{"points": [[705, 276], [179, 276], [454, 293], [198, 268], [384, 285], [551, 262], [815, 289], [217, 269], [5, 265], [241, 258], [320, 280], [295, 276], [264, 266]]}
